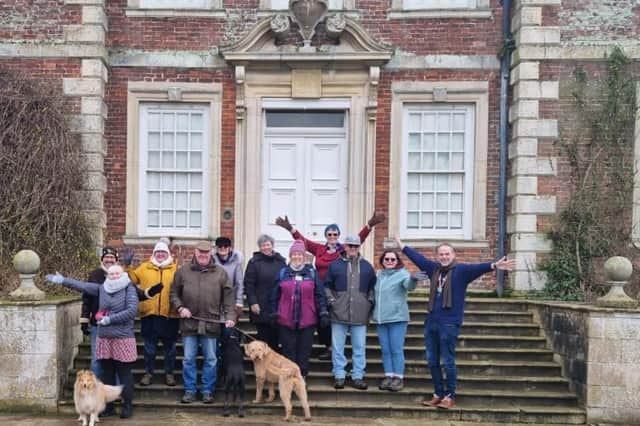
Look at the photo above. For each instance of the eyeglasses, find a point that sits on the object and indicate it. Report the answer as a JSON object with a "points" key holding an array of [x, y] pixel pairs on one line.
{"points": [[390, 259], [223, 247], [353, 245], [332, 234]]}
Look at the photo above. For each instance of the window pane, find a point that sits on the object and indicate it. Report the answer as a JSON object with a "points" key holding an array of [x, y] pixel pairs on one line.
{"points": [[412, 220], [196, 181], [456, 201], [442, 201], [456, 220], [167, 181], [167, 160], [181, 160], [182, 121], [167, 200], [195, 219], [167, 121], [414, 161], [182, 141], [414, 142], [429, 122], [427, 220], [154, 200], [154, 140], [457, 161], [181, 200], [153, 218], [308, 118], [167, 218], [181, 181], [442, 183], [181, 219], [167, 141], [441, 220], [279, 4], [443, 142], [427, 202], [427, 182], [153, 180], [196, 141], [457, 142], [429, 161], [413, 202], [413, 181], [414, 122], [153, 121], [195, 200], [197, 121], [196, 160], [458, 122], [443, 122], [443, 161], [456, 183], [429, 142], [154, 159]]}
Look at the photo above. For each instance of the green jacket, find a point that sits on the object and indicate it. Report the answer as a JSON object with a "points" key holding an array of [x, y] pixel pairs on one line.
{"points": [[391, 291]]}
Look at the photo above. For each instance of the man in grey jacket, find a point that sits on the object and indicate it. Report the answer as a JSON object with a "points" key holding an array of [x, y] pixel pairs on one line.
{"points": [[349, 286]]}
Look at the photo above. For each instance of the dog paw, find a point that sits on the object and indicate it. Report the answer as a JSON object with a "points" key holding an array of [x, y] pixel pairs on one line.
{"points": [[270, 399], [307, 419], [257, 401]]}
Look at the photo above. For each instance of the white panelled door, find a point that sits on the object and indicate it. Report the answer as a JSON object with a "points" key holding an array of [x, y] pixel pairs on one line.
{"points": [[305, 172]]}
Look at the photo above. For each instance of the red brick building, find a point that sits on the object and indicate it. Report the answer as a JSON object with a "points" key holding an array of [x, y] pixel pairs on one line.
{"points": [[200, 118]]}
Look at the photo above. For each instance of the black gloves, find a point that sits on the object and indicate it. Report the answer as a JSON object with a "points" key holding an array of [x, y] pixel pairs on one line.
{"points": [[376, 219], [155, 289], [284, 223], [325, 321], [85, 328]]}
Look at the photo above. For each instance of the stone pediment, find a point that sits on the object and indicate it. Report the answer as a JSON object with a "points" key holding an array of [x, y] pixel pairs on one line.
{"points": [[347, 41]]}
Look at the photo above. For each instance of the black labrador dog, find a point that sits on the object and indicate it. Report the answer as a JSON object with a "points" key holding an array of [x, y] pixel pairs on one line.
{"points": [[232, 360]]}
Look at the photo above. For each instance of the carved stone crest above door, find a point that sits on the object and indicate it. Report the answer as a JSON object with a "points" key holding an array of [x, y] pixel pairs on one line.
{"points": [[307, 14]]}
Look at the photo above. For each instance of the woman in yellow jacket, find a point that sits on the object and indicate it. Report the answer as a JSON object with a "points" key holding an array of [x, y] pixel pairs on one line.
{"points": [[159, 321]]}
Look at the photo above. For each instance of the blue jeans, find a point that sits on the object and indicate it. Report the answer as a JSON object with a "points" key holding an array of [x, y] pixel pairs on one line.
{"points": [[189, 369], [358, 341], [95, 365], [441, 340], [391, 336], [154, 329]]}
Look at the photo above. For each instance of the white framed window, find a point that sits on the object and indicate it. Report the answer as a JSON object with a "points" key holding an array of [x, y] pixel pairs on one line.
{"points": [[176, 4], [284, 4], [437, 177], [173, 168], [439, 4], [174, 8], [438, 157], [173, 160], [411, 9]]}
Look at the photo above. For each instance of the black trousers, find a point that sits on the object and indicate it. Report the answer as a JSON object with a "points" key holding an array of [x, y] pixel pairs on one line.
{"points": [[268, 333], [110, 368], [296, 345], [324, 335]]}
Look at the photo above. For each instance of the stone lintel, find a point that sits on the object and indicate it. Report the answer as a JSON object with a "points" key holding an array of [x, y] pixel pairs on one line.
{"points": [[533, 204], [542, 128], [530, 89], [83, 87], [538, 36]]}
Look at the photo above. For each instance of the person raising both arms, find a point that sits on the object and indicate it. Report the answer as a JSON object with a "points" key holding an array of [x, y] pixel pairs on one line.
{"points": [[324, 254], [449, 281]]}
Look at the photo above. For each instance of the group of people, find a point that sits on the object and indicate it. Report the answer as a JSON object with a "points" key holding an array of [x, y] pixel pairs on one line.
{"points": [[288, 303]]}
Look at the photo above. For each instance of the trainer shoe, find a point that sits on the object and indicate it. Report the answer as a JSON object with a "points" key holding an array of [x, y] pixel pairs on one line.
{"points": [[338, 383], [386, 382], [170, 380], [396, 384], [207, 397], [146, 379], [359, 384], [188, 397]]}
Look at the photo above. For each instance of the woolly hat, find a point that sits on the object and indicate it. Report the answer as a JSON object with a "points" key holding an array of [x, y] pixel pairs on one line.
{"points": [[109, 250], [223, 242], [332, 227], [161, 246], [297, 247]]}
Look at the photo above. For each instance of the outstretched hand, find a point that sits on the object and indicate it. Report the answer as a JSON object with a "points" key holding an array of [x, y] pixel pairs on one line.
{"points": [[505, 264], [284, 223], [56, 278], [127, 255], [376, 219]]}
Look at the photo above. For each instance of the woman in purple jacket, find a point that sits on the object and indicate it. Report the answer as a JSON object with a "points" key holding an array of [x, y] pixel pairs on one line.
{"points": [[298, 303]]}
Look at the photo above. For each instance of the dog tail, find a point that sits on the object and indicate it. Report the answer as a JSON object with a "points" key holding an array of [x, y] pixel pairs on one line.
{"points": [[111, 393]]}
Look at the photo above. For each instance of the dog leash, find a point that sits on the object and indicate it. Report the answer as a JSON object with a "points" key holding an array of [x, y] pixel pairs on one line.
{"points": [[221, 322]]}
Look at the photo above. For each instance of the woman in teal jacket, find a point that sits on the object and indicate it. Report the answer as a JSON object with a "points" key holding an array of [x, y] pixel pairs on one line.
{"points": [[391, 314]]}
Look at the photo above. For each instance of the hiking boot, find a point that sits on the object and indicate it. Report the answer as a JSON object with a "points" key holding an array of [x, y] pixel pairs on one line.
{"points": [[396, 384], [108, 411], [146, 379], [188, 397], [207, 397], [447, 402], [325, 355], [127, 410], [170, 380], [359, 384], [386, 382], [338, 383], [433, 402]]}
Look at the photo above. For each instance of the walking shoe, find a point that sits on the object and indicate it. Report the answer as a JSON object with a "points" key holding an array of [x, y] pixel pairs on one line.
{"points": [[207, 397], [170, 380], [338, 383], [146, 379], [188, 397], [433, 402], [396, 384], [127, 410], [359, 384], [108, 411], [447, 402], [386, 382], [325, 355]]}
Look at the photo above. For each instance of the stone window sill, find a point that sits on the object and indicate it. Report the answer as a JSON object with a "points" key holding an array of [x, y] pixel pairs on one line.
{"points": [[439, 13], [457, 244], [351, 13], [149, 241]]}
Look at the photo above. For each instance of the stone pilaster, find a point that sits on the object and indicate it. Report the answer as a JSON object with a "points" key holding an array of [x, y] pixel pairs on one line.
{"points": [[90, 122], [533, 43]]}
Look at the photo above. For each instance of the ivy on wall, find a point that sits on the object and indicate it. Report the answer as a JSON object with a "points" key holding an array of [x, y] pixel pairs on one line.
{"points": [[596, 222]]}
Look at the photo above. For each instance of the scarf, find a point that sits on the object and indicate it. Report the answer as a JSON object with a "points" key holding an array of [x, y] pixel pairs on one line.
{"points": [[163, 264], [442, 273], [111, 286], [297, 268]]}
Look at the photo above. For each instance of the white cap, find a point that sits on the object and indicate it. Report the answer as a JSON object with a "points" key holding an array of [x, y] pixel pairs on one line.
{"points": [[161, 246]]}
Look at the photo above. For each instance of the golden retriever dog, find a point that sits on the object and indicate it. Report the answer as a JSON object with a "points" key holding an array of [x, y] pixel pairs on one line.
{"points": [[271, 367], [91, 396]]}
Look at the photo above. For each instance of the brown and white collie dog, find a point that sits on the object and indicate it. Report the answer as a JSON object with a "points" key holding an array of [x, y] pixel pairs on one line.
{"points": [[91, 396]]}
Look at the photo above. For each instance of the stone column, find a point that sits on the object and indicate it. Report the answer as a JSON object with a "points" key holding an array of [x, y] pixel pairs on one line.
{"points": [[90, 88], [534, 42]]}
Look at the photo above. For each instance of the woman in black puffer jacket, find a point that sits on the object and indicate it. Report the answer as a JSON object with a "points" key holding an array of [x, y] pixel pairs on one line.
{"points": [[259, 279]]}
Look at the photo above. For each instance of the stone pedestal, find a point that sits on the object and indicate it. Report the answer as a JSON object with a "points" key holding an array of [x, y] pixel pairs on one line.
{"points": [[38, 342], [618, 270]]}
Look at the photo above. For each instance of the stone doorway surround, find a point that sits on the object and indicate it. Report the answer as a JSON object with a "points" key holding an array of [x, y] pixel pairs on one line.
{"points": [[349, 70]]}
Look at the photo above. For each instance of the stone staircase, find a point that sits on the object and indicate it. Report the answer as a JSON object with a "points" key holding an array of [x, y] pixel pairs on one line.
{"points": [[506, 373]]}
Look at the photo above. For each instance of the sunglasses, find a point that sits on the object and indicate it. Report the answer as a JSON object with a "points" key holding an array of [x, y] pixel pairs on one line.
{"points": [[390, 259], [332, 234], [223, 247], [353, 245]]}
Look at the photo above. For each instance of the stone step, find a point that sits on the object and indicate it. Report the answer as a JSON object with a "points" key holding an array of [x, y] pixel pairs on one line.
{"points": [[531, 414], [422, 381], [420, 302]]}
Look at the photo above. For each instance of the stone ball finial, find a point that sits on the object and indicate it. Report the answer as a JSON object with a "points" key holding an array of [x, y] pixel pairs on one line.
{"points": [[618, 268], [26, 262]]}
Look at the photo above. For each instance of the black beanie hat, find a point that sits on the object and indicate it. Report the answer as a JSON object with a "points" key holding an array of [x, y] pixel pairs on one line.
{"points": [[223, 242], [109, 250]]}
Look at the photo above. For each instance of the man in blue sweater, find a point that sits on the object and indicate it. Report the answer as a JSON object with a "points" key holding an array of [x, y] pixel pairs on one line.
{"points": [[449, 282]]}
